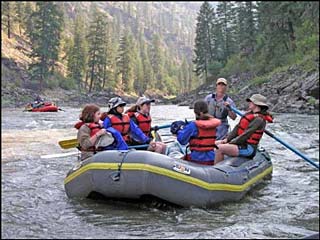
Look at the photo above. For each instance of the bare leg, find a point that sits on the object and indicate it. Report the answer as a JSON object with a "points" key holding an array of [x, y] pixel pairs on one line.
{"points": [[228, 149]]}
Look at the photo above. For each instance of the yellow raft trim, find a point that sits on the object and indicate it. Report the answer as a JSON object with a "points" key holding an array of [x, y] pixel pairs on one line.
{"points": [[168, 173]]}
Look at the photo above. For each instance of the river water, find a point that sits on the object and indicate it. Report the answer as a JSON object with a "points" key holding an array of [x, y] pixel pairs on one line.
{"points": [[34, 203]]}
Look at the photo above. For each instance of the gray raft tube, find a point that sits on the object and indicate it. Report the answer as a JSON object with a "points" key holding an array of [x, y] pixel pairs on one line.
{"points": [[135, 174]]}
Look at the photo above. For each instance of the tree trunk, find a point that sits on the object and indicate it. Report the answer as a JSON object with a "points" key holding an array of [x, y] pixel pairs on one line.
{"points": [[292, 36], [91, 78], [9, 33]]}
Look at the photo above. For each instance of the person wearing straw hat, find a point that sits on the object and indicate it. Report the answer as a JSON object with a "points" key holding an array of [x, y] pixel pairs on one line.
{"points": [[245, 137], [218, 107]]}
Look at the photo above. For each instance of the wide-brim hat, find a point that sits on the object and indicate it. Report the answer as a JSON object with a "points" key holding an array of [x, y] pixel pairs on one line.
{"points": [[258, 100], [143, 100]]}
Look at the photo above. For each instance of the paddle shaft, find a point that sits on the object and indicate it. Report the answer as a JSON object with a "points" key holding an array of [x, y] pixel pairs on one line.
{"points": [[282, 142], [58, 155]]}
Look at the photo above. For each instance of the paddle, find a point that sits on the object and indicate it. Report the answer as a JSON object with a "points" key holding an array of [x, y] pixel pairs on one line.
{"points": [[72, 143], [281, 141], [75, 153]]}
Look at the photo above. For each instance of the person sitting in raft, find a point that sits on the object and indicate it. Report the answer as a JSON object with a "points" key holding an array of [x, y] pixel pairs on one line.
{"points": [[243, 140], [92, 137], [38, 102], [200, 134], [122, 123], [140, 115]]}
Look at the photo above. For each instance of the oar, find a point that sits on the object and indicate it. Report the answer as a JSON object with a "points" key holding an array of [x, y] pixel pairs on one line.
{"points": [[282, 142], [59, 155], [72, 143], [75, 153], [61, 109]]}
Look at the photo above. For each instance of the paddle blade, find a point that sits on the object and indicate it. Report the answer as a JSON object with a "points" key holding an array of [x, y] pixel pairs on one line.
{"points": [[70, 143], [58, 155]]}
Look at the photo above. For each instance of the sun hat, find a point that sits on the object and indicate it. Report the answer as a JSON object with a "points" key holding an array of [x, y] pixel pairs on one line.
{"points": [[258, 100]]}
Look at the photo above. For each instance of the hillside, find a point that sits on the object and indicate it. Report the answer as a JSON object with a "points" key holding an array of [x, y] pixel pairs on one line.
{"points": [[174, 21], [291, 89]]}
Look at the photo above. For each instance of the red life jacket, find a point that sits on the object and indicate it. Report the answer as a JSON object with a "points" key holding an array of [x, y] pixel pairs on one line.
{"points": [[205, 141], [244, 123], [123, 126], [94, 127], [144, 122], [130, 114]]}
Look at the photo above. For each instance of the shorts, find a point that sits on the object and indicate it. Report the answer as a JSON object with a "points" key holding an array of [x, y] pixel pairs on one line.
{"points": [[247, 151]]}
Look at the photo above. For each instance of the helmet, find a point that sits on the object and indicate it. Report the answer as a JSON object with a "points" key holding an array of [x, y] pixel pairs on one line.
{"points": [[115, 102]]}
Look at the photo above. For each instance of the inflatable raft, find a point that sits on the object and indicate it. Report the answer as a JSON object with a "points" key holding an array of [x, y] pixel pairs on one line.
{"points": [[136, 174], [46, 107]]}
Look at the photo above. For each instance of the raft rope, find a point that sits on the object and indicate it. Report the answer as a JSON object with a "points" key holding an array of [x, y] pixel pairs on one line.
{"points": [[115, 176]]}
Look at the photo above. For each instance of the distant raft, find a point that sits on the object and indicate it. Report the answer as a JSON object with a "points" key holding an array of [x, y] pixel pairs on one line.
{"points": [[46, 107], [136, 174]]}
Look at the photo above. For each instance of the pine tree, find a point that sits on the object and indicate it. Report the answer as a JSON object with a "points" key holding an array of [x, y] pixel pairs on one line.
{"points": [[97, 49], [125, 62], [148, 76], [19, 14], [227, 21], [77, 55], [7, 16], [203, 43], [156, 60], [27, 19], [246, 27], [45, 39]]}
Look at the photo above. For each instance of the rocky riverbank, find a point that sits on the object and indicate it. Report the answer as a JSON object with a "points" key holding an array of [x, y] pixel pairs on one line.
{"points": [[292, 91], [12, 96]]}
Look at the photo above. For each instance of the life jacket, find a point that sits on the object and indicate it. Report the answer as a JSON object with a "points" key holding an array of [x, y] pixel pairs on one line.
{"points": [[143, 122], [205, 141], [218, 109], [130, 114], [244, 123], [94, 127], [123, 126]]}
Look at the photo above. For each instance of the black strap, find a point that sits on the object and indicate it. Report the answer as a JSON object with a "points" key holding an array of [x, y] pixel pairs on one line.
{"points": [[224, 98]]}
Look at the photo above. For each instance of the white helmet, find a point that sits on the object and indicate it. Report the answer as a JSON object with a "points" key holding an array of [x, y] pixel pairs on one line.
{"points": [[115, 102]]}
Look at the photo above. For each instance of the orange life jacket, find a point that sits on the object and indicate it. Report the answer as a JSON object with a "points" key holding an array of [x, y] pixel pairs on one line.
{"points": [[205, 141], [244, 123], [144, 122], [123, 126], [94, 127]]}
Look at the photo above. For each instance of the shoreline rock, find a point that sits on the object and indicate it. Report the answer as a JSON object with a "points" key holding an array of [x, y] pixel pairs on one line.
{"points": [[291, 91]]}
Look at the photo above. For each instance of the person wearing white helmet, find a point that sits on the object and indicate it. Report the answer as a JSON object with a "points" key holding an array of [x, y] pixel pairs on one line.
{"points": [[122, 122], [140, 114], [218, 107]]}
